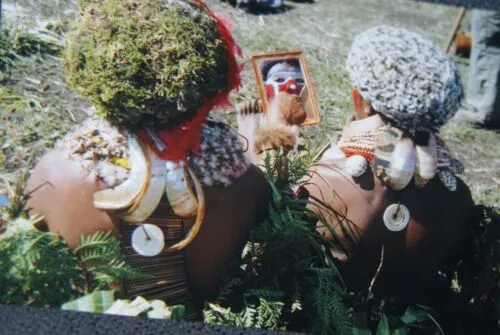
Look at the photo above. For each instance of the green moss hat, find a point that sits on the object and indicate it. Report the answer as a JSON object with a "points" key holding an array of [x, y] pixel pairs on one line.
{"points": [[146, 63]]}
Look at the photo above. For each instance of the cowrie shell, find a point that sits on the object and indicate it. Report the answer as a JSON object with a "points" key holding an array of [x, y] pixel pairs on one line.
{"points": [[396, 217], [356, 165]]}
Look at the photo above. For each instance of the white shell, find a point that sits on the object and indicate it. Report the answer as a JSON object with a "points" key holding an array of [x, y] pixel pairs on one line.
{"points": [[124, 194], [152, 196], [179, 194], [426, 164], [148, 240], [356, 165], [402, 164], [396, 217], [449, 180], [200, 217]]}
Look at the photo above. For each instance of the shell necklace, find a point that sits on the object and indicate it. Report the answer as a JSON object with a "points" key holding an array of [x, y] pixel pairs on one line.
{"points": [[396, 161]]}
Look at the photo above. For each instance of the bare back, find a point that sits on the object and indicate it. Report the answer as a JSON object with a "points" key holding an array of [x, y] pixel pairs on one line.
{"points": [[412, 256], [230, 213]]}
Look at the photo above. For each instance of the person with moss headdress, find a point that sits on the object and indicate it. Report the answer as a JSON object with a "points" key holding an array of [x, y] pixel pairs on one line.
{"points": [[387, 187], [154, 168]]}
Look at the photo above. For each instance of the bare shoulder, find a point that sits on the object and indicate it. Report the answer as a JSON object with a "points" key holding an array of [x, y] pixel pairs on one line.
{"points": [[346, 202], [66, 200], [330, 182]]}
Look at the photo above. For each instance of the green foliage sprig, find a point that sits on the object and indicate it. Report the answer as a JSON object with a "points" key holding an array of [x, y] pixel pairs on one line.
{"points": [[286, 263], [39, 269], [17, 44], [265, 314], [100, 257]]}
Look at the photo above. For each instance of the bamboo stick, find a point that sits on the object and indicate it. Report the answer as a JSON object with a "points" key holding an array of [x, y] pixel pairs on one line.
{"points": [[458, 21]]}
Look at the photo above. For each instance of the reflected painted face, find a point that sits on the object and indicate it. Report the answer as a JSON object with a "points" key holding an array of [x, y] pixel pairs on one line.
{"points": [[284, 77]]}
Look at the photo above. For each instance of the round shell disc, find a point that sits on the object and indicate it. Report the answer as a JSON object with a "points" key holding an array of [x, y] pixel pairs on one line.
{"points": [[396, 217], [148, 240]]}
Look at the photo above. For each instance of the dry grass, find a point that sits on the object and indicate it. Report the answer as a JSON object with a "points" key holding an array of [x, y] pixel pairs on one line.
{"points": [[323, 30]]}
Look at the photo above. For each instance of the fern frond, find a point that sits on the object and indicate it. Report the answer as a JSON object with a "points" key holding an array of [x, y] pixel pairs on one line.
{"points": [[248, 316], [103, 241], [269, 314], [264, 293]]}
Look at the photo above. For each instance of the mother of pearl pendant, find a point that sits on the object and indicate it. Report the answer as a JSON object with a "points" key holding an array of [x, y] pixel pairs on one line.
{"points": [[396, 217], [148, 240]]}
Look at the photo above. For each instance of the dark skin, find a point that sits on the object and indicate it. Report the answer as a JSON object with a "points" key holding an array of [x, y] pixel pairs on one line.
{"points": [[230, 213], [439, 222]]}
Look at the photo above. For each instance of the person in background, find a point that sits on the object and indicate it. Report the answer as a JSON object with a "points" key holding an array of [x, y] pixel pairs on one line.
{"points": [[483, 94]]}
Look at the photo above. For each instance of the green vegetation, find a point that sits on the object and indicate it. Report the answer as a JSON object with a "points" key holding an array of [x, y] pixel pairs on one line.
{"points": [[17, 44], [286, 277], [39, 269], [34, 126]]}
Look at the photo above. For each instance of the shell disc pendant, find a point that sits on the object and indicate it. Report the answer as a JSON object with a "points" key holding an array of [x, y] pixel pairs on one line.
{"points": [[148, 240], [396, 217]]}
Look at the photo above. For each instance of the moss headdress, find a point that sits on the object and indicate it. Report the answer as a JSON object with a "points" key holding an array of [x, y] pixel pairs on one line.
{"points": [[149, 63]]}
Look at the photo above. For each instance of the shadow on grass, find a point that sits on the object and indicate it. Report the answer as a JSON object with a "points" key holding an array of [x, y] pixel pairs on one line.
{"points": [[252, 7]]}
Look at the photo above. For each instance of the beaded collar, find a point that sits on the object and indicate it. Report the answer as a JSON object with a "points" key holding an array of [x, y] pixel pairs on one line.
{"points": [[368, 138], [360, 137]]}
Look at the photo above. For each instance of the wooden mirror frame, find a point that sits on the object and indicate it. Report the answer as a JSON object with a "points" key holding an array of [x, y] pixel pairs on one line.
{"points": [[311, 106]]}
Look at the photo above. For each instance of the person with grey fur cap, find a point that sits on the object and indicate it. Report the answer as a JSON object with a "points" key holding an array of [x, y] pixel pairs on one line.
{"points": [[405, 77], [388, 186]]}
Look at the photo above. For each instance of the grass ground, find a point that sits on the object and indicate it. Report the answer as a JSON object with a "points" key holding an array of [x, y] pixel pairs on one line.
{"points": [[322, 29]]}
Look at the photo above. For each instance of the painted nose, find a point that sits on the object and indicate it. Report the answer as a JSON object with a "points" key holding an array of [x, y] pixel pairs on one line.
{"points": [[290, 87]]}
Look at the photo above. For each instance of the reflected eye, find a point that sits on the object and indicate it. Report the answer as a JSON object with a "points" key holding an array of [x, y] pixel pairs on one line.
{"points": [[279, 79], [299, 81]]}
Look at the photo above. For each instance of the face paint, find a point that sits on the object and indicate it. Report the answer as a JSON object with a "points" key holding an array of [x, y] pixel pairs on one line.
{"points": [[289, 80]]}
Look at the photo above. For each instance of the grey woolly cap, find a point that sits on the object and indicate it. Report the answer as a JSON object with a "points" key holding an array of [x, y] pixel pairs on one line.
{"points": [[405, 77]]}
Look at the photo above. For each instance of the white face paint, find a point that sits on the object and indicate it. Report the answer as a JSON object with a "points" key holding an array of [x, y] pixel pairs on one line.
{"points": [[287, 80], [282, 76]]}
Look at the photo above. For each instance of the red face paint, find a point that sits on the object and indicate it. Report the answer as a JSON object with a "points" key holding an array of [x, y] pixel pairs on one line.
{"points": [[284, 78]]}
